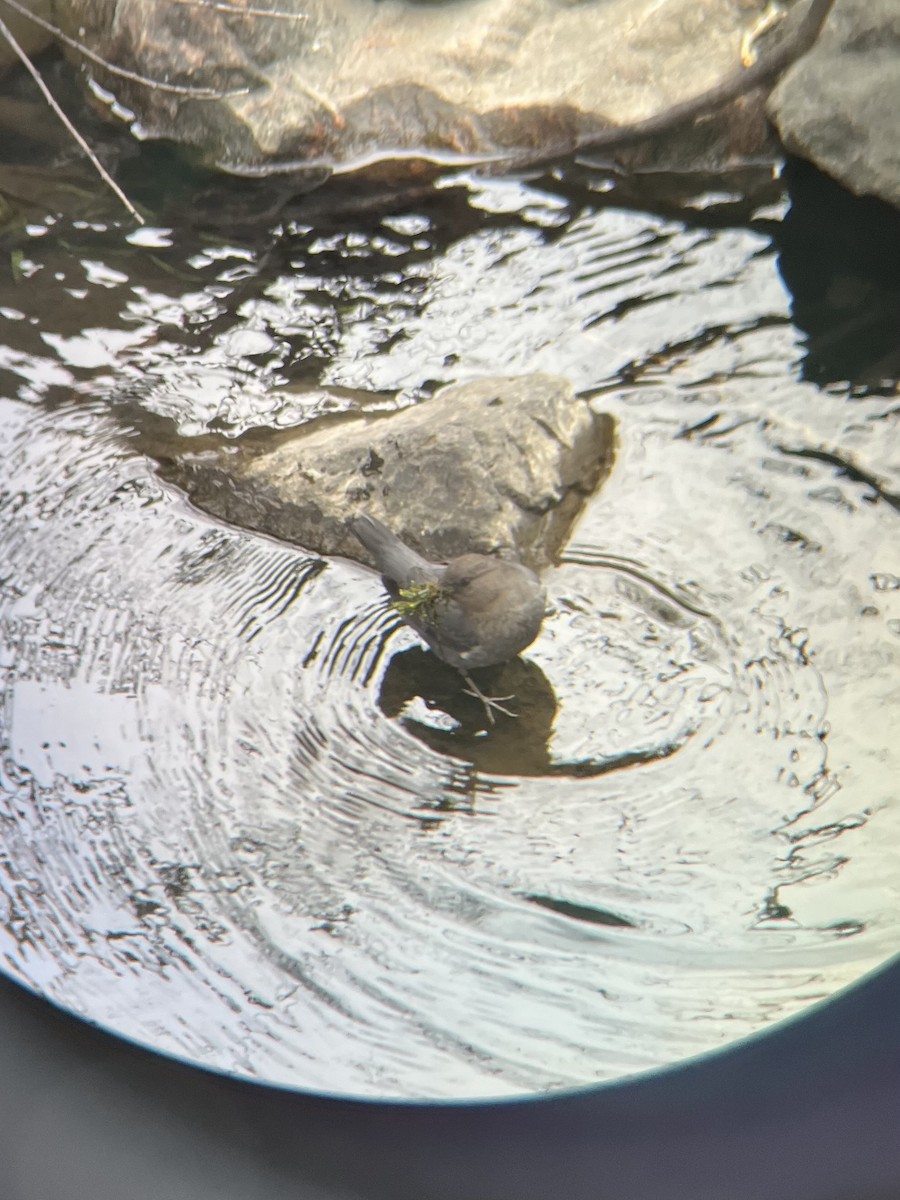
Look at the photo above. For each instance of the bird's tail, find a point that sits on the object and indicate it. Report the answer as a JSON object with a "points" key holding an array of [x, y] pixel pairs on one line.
{"points": [[395, 560]]}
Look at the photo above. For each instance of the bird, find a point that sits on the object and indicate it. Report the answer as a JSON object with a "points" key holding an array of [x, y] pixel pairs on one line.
{"points": [[474, 611]]}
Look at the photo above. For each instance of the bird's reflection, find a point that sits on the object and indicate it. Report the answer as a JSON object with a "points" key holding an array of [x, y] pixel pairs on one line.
{"points": [[429, 695]]}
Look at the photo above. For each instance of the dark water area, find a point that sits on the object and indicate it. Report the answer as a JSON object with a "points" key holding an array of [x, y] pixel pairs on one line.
{"points": [[246, 820]]}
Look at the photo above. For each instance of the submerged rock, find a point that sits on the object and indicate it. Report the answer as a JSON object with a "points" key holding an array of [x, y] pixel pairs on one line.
{"points": [[498, 465], [838, 106]]}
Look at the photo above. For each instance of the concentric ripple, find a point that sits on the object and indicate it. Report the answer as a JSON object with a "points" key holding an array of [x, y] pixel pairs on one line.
{"points": [[247, 819]]}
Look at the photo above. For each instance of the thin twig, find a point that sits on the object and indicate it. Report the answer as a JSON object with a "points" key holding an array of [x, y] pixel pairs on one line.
{"points": [[239, 10], [70, 128]]}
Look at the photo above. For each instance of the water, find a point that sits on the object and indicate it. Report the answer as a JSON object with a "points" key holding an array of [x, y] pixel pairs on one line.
{"points": [[247, 822]]}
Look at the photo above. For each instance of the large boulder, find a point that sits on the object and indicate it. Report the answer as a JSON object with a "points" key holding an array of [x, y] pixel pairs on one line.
{"points": [[838, 105], [348, 82], [498, 465]]}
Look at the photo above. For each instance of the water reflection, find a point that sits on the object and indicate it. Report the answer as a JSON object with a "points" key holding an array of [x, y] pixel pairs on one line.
{"points": [[249, 821]]}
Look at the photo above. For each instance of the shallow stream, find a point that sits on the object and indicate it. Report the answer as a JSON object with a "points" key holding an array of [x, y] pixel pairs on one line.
{"points": [[230, 826]]}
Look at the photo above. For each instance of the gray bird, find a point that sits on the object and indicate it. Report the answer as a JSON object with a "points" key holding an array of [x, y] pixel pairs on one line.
{"points": [[475, 611]]}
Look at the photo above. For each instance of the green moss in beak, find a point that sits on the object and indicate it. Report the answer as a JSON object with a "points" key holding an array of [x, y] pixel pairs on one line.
{"points": [[419, 601]]}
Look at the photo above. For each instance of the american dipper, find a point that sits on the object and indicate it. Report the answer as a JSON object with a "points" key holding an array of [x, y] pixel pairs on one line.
{"points": [[475, 611]]}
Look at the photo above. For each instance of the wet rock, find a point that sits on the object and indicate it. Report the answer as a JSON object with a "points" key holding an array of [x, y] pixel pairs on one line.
{"points": [[351, 82], [838, 106], [498, 465]]}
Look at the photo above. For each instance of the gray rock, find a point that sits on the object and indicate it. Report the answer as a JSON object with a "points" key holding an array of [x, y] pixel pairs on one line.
{"points": [[347, 83], [499, 465], [838, 106]]}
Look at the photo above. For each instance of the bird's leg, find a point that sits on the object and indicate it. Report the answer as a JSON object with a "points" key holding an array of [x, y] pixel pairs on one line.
{"points": [[490, 702]]}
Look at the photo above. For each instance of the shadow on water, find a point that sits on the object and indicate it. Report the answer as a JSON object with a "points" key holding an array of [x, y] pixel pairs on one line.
{"points": [[838, 256], [430, 698], [249, 821]]}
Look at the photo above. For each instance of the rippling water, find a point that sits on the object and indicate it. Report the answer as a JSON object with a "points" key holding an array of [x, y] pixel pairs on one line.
{"points": [[247, 820]]}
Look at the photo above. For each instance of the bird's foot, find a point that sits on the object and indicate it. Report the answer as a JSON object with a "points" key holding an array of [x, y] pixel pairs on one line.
{"points": [[490, 702]]}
